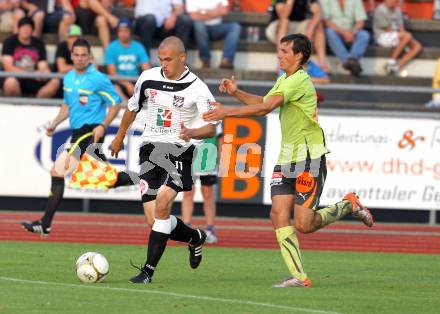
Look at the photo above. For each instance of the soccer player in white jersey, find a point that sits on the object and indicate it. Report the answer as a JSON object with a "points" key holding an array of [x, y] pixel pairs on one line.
{"points": [[175, 100]]}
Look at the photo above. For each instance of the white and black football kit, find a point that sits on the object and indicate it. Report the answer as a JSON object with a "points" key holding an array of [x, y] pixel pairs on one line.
{"points": [[165, 158]]}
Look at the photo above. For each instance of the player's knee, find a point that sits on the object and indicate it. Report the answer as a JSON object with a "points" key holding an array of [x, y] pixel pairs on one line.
{"points": [[162, 209], [150, 221], [53, 172], [302, 227], [275, 213]]}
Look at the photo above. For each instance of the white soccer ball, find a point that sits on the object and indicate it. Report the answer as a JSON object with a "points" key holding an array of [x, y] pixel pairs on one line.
{"points": [[92, 267]]}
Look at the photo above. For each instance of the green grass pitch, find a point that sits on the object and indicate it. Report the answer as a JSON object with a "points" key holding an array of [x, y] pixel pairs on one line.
{"points": [[40, 278]]}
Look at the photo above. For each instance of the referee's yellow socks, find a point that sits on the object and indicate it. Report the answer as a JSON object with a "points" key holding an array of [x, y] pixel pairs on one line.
{"points": [[289, 245], [335, 212]]}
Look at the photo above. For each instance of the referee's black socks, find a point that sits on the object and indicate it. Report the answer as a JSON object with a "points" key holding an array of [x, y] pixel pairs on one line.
{"points": [[55, 197]]}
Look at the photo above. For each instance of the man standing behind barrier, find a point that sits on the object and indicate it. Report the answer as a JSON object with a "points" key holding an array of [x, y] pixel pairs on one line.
{"points": [[87, 94], [299, 175], [205, 167], [174, 99]]}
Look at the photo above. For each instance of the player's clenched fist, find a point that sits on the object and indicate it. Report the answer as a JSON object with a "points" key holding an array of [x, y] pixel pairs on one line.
{"points": [[185, 133], [228, 86]]}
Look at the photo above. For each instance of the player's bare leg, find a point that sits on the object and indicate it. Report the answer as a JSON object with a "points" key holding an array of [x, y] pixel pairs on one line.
{"points": [[165, 226], [282, 206]]}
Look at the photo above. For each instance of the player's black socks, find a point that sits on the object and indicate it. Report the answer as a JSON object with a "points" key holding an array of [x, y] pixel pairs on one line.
{"points": [[184, 233], [55, 197], [127, 178], [156, 246]]}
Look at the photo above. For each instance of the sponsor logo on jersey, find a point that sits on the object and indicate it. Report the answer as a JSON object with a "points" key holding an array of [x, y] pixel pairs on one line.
{"points": [[164, 117], [169, 87], [178, 101], [83, 99], [152, 93]]}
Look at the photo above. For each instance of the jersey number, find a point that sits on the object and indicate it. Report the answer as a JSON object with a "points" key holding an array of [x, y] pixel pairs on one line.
{"points": [[179, 165]]}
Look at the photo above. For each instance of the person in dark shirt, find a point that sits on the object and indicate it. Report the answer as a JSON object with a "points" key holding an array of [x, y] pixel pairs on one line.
{"points": [[24, 53], [54, 16], [299, 16], [63, 60]]}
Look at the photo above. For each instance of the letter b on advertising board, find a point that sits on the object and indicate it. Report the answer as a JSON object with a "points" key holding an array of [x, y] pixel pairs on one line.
{"points": [[241, 160]]}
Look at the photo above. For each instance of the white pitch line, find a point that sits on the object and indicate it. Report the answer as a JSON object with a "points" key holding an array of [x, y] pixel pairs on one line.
{"points": [[174, 294]]}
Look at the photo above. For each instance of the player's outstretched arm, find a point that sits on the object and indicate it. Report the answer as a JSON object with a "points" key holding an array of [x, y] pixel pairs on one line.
{"points": [[62, 115], [230, 87], [127, 120], [205, 131], [220, 112]]}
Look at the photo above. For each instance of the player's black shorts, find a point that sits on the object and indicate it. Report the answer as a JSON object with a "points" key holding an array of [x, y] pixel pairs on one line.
{"points": [[208, 180], [165, 164], [82, 146], [303, 179]]}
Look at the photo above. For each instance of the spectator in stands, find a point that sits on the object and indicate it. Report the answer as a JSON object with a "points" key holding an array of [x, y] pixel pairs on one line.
{"points": [[125, 57], [94, 16], [344, 22], [435, 101], [161, 19], [24, 53], [50, 16], [63, 60], [299, 16], [208, 25], [10, 14], [317, 75], [389, 31]]}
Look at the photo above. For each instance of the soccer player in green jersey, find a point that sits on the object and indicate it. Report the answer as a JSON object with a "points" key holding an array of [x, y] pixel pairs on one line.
{"points": [[299, 175]]}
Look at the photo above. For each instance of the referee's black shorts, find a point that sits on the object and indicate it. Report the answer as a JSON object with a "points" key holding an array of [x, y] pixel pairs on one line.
{"points": [[165, 164], [82, 146]]}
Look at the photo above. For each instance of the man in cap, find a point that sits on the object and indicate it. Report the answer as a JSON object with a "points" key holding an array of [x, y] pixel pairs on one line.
{"points": [[125, 57], [63, 58]]}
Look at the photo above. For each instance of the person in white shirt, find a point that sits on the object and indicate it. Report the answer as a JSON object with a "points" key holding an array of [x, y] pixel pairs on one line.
{"points": [[174, 99], [208, 25], [159, 19]]}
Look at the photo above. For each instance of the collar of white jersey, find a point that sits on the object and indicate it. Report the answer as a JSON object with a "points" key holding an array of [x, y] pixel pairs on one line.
{"points": [[181, 77]]}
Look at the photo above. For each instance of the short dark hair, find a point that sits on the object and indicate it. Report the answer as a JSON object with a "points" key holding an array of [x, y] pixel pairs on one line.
{"points": [[301, 44], [81, 42], [26, 20]]}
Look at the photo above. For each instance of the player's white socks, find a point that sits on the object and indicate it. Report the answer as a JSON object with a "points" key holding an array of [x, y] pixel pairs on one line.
{"points": [[162, 225]]}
